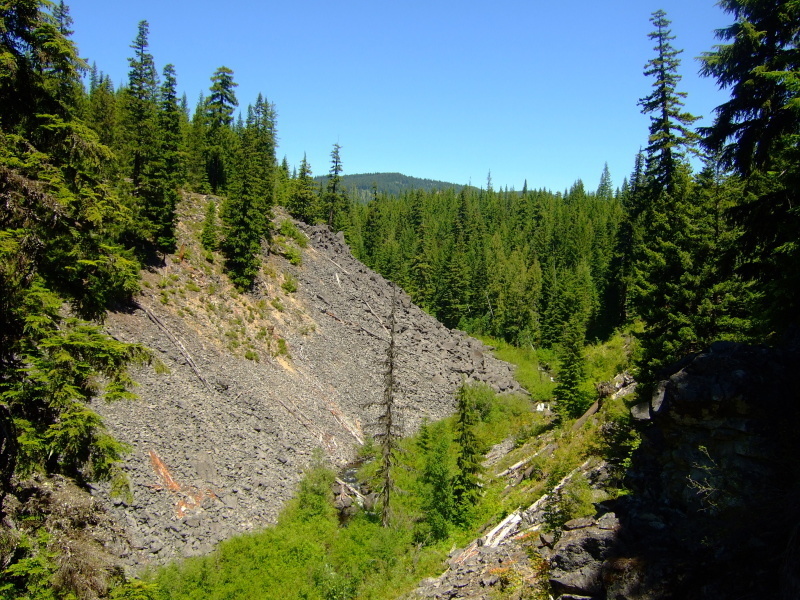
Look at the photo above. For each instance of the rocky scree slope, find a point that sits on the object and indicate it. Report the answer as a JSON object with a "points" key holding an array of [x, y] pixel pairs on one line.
{"points": [[254, 383]]}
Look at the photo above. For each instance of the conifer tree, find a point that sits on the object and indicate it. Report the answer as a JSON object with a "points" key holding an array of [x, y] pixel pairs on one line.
{"points": [[245, 212], [102, 112], [333, 200], [387, 425], [755, 133], [466, 484], [438, 501], [664, 252], [570, 399], [209, 236], [60, 264], [671, 135], [140, 107], [219, 118], [166, 167], [304, 194], [197, 130]]}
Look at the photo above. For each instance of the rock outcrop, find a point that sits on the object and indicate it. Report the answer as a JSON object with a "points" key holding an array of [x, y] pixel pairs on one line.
{"points": [[713, 510]]}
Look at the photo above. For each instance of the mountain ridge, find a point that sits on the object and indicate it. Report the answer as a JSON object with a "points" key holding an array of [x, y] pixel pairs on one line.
{"points": [[392, 184]]}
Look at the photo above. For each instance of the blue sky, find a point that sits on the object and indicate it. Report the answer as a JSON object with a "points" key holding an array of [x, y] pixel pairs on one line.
{"points": [[442, 89]]}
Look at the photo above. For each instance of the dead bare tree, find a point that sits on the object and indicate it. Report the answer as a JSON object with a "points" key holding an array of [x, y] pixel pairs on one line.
{"points": [[387, 427]]}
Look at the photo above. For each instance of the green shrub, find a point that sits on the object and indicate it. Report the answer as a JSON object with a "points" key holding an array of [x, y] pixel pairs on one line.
{"points": [[289, 284], [570, 502], [289, 229]]}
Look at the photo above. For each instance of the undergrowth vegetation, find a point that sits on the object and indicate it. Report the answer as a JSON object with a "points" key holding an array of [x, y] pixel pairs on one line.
{"points": [[317, 552]]}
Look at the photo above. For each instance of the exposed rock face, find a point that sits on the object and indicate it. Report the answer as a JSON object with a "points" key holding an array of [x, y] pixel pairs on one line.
{"points": [[219, 442], [577, 562], [714, 506]]}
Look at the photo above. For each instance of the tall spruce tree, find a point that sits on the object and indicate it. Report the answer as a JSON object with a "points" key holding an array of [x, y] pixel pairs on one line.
{"points": [[663, 257]]}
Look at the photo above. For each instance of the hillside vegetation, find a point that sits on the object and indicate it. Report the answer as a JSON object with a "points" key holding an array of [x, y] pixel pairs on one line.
{"points": [[145, 243], [364, 186]]}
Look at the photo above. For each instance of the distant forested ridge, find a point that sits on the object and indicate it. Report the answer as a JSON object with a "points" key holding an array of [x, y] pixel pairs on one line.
{"points": [[362, 186]]}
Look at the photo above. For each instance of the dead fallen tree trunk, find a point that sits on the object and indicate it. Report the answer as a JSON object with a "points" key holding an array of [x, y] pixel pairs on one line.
{"points": [[178, 344]]}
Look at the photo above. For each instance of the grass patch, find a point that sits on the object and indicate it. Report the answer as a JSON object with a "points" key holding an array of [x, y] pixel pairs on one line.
{"points": [[534, 367], [289, 284], [288, 229]]}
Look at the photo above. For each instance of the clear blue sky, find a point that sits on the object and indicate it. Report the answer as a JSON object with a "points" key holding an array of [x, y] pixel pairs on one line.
{"points": [[441, 89]]}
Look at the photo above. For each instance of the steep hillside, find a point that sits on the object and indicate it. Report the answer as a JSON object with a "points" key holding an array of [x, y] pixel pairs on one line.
{"points": [[247, 386]]}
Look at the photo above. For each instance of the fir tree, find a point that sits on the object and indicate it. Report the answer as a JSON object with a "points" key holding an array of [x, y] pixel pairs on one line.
{"points": [[466, 484], [438, 501], [140, 107], [670, 126], [245, 212], [570, 399], [302, 204], [755, 133], [219, 118], [166, 167], [60, 264], [664, 253], [210, 236], [333, 201]]}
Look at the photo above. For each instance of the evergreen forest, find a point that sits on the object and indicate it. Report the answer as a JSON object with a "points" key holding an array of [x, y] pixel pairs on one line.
{"points": [[699, 244]]}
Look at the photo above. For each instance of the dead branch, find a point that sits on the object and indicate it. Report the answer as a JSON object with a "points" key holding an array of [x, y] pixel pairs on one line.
{"points": [[151, 315], [338, 265]]}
